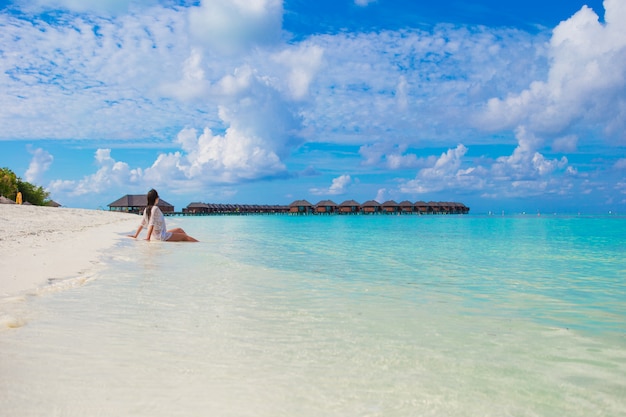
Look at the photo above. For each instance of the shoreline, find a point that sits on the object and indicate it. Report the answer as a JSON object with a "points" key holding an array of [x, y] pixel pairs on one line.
{"points": [[40, 246]]}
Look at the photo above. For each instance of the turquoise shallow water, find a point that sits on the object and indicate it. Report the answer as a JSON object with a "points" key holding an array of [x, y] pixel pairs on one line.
{"points": [[336, 316]]}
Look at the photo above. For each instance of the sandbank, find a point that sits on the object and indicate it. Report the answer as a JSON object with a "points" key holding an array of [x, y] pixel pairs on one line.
{"points": [[40, 246]]}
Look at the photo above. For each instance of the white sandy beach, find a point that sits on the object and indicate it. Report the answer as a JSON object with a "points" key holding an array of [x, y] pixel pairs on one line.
{"points": [[44, 245]]}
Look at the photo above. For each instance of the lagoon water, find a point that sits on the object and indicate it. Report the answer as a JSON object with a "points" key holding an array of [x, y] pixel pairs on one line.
{"points": [[336, 316]]}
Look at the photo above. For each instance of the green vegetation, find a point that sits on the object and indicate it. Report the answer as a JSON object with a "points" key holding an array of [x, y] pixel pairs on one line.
{"points": [[10, 184]]}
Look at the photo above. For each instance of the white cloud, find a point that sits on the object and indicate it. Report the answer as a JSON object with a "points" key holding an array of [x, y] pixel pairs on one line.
{"points": [[526, 172], [402, 94], [141, 75], [526, 162], [110, 174], [339, 186], [567, 143], [586, 81], [410, 86], [392, 156], [192, 84], [39, 164], [303, 64], [447, 164], [97, 6], [91, 77], [232, 157], [441, 175], [232, 26], [259, 131], [381, 195]]}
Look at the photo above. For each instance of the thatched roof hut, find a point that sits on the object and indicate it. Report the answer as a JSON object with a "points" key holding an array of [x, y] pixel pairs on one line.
{"points": [[301, 207], [390, 206], [459, 208], [326, 206], [136, 203], [197, 208], [421, 207], [406, 206], [433, 207], [349, 207], [370, 206]]}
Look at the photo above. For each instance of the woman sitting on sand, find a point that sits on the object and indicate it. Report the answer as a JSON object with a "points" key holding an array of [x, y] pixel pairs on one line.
{"points": [[154, 220]]}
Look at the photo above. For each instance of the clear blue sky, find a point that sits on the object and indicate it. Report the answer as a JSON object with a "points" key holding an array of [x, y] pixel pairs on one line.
{"points": [[515, 106]]}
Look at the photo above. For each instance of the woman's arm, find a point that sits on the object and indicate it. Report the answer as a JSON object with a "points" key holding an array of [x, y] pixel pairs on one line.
{"points": [[137, 232], [150, 229]]}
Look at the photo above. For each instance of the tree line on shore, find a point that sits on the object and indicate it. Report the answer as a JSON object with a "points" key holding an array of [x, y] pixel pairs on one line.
{"points": [[11, 185]]}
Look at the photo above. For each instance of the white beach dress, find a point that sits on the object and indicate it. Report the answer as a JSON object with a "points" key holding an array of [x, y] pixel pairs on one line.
{"points": [[158, 221]]}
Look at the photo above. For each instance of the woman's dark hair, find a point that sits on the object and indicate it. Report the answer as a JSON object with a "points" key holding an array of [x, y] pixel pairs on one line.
{"points": [[152, 196]]}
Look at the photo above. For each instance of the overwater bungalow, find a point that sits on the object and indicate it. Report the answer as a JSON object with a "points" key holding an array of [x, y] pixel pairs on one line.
{"points": [[406, 207], [370, 207], [349, 207], [446, 207], [433, 207], [421, 207], [390, 207], [197, 208], [301, 207], [326, 207], [136, 203], [459, 208]]}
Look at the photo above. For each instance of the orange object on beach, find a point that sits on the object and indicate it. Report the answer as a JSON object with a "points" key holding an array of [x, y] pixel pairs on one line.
{"points": [[18, 198]]}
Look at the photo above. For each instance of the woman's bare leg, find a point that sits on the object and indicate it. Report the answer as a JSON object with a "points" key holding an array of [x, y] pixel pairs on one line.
{"points": [[181, 237]]}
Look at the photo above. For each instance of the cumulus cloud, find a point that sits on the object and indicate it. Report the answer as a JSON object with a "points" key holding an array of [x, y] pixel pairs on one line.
{"points": [[302, 65], [339, 186], [586, 80], [526, 162], [441, 175], [253, 134], [381, 195], [233, 157], [256, 109], [568, 143], [192, 84], [242, 153], [525, 172], [231, 26], [110, 174], [39, 164]]}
